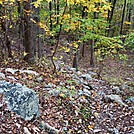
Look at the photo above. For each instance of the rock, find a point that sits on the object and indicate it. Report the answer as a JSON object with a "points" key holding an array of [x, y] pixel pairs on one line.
{"points": [[49, 85], [129, 79], [10, 70], [1, 105], [93, 74], [132, 132], [4, 86], [86, 87], [39, 79], [97, 130], [86, 76], [11, 77], [54, 92], [101, 81], [115, 98], [51, 130], [83, 100], [13, 71], [86, 92], [80, 92], [62, 84], [76, 79], [117, 90], [101, 93], [21, 100], [59, 65], [113, 130], [71, 69], [29, 72], [2, 76], [79, 73], [26, 131], [84, 82], [130, 100], [124, 87]]}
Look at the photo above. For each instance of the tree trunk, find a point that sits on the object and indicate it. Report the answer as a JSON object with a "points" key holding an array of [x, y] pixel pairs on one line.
{"points": [[50, 9], [92, 46], [58, 11], [92, 53], [75, 60], [110, 16], [5, 28], [28, 33], [37, 32], [123, 16]]}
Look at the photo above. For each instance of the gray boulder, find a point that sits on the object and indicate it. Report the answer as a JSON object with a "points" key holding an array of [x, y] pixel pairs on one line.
{"points": [[21, 100], [4, 86]]}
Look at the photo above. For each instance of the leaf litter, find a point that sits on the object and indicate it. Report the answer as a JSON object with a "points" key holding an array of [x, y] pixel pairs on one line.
{"points": [[68, 112]]}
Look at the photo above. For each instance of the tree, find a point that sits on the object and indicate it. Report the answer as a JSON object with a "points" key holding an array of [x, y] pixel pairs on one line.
{"points": [[28, 32], [123, 15], [110, 15]]}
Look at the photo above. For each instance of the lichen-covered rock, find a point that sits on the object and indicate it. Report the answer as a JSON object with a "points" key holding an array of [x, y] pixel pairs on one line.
{"points": [[21, 100], [4, 86]]}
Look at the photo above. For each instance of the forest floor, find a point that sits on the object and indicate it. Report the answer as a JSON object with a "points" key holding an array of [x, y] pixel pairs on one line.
{"points": [[79, 107]]}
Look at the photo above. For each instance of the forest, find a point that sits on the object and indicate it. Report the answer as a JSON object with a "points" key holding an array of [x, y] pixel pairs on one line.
{"points": [[66, 66]]}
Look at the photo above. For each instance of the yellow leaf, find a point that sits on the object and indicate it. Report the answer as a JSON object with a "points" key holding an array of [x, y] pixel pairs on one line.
{"points": [[10, 26], [62, 95], [36, 4], [5, 62], [48, 1], [61, 57], [70, 45], [24, 54], [96, 114], [83, 97], [72, 87], [114, 51], [90, 127], [55, 58], [127, 22], [70, 2], [75, 45], [67, 49], [79, 40], [85, 131], [27, 11], [30, 77]]}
